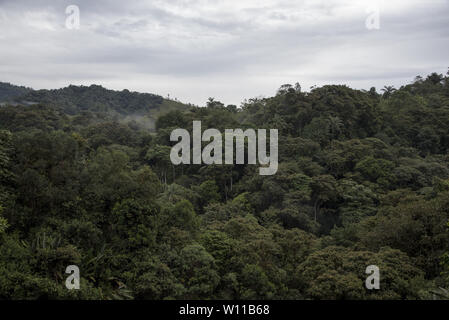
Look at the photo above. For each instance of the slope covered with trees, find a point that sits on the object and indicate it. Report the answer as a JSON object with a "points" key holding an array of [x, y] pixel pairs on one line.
{"points": [[363, 180], [74, 99], [92, 104], [9, 92]]}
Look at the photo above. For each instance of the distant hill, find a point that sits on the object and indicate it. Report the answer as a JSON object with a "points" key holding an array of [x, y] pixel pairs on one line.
{"points": [[9, 92], [95, 98], [143, 108]]}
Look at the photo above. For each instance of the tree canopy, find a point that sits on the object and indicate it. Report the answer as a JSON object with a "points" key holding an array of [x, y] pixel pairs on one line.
{"points": [[363, 179]]}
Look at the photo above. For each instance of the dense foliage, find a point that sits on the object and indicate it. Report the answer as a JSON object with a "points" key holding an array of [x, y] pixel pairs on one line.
{"points": [[9, 92], [363, 180]]}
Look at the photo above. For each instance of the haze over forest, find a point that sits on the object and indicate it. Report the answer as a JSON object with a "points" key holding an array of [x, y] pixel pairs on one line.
{"points": [[363, 180]]}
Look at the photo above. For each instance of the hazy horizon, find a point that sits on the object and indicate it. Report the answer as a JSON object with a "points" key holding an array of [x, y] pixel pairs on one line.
{"points": [[378, 90]]}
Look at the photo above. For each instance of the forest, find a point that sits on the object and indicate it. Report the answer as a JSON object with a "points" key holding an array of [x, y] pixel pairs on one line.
{"points": [[363, 179]]}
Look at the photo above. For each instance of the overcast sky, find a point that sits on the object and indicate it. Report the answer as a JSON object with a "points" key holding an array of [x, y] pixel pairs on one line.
{"points": [[227, 49]]}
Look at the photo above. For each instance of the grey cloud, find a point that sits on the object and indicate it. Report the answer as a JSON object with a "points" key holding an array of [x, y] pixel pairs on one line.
{"points": [[190, 47]]}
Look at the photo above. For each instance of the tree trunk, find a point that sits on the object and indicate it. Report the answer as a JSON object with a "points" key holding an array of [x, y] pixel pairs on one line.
{"points": [[316, 207]]}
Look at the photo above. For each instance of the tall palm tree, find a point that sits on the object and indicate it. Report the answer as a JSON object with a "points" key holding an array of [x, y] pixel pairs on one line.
{"points": [[388, 90]]}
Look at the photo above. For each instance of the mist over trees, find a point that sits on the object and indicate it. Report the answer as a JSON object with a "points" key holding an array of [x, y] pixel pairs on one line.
{"points": [[363, 179]]}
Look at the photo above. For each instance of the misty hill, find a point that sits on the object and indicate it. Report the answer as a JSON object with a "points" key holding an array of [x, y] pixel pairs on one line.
{"points": [[101, 104], [9, 92], [95, 98]]}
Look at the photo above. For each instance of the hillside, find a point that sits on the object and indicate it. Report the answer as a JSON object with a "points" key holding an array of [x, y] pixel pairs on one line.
{"points": [[9, 92], [75, 99], [103, 104], [363, 180]]}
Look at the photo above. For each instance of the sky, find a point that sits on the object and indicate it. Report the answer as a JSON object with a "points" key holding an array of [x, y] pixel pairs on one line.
{"points": [[230, 50]]}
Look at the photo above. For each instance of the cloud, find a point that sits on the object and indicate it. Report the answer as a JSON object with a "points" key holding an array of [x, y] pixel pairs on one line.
{"points": [[230, 50]]}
